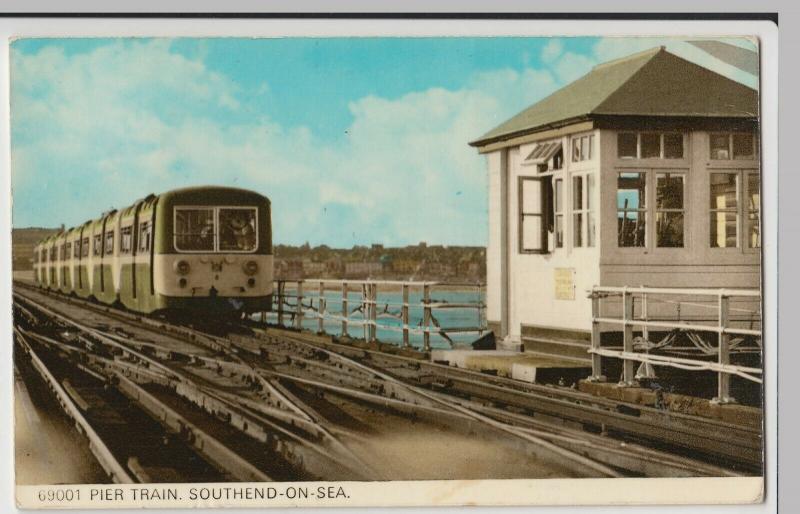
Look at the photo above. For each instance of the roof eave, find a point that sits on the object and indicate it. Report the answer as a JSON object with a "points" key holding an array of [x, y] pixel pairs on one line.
{"points": [[531, 130]]}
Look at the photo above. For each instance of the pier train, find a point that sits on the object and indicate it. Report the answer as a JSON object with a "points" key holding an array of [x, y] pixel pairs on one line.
{"points": [[199, 248]]}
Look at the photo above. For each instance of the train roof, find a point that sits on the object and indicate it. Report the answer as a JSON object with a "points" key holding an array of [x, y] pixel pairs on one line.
{"points": [[151, 198]]}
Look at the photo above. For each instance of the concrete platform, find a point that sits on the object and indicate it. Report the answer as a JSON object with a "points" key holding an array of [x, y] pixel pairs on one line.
{"points": [[512, 364]]}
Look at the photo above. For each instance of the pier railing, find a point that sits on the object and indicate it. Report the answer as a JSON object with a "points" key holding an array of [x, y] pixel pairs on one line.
{"points": [[693, 312], [372, 305]]}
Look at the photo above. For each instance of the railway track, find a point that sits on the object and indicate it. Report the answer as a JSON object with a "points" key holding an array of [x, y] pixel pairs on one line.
{"points": [[313, 403]]}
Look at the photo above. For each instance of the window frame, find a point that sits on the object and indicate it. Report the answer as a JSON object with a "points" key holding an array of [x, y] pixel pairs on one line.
{"points": [[559, 197], [646, 173], [662, 145], [657, 210], [521, 215], [736, 211], [126, 230], [579, 138], [742, 210], [144, 236], [215, 209], [731, 158], [586, 209]]}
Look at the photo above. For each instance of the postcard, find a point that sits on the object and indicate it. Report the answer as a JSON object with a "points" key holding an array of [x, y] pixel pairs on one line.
{"points": [[326, 269]]}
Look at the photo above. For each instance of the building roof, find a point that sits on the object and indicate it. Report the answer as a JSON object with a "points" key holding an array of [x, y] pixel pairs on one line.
{"points": [[650, 83]]}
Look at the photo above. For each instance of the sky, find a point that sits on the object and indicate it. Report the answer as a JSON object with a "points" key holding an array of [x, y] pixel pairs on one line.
{"points": [[355, 140]]}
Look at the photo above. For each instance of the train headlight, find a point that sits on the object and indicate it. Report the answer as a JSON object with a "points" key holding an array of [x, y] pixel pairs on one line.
{"points": [[250, 267], [182, 267]]}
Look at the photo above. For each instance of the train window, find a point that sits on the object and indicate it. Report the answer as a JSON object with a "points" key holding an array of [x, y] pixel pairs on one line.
{"points": [[125, 241], [237, 229], [68, 251], [76, 248], [98, 244], [109, 243], [144, 236], [194, 229], [631, 209], [669, 210]]}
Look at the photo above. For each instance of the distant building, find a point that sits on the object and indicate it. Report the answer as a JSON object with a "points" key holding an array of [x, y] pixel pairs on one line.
{"points": [[645, 171], [362, 269]]}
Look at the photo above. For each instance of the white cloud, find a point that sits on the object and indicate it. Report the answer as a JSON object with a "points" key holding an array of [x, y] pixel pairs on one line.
{"points": [[552, 50], [128, 119], [99, 129]]}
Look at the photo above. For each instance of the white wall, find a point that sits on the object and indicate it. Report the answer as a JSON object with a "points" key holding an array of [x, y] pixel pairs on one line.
{"points": [[495, 164]]}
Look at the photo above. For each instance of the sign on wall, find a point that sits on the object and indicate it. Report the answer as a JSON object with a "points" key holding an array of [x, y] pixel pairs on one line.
{"points": [[565, 283]]}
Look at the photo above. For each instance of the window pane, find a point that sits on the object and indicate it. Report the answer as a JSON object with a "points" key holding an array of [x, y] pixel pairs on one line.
{"points": [[109, 243], [631, 192], [557, 195], [630, 228], [743, 146], [669, 229], [237, 230], [753, 230], [577, 230], [651, 146], [531, 201], [753, 192], [719, 146], [194, 229], [85, 247], [559, 231], [98, 241], [626, 145], [576, 149], [589, 191], [723, 191], [577, 193], [590, 229], [588, 153], [532, 232], [673, 146], [723, 229], [669, 191]]}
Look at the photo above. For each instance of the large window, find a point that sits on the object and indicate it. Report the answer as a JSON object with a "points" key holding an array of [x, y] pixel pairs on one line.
{"points": [[221, 229], [724, 210], [237, 229], [650, 145], [85, 247], [735, 195], [194, 229], [97, 244], [669, 210], [532, 232], [631, 209], [732, 145]]}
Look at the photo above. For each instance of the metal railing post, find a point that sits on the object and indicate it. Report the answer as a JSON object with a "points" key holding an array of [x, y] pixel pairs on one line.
{"points": [[426, 317], [281, 298], [373, 312], [405, 316], [597, 370], [344, 309], [321, 308], [724, 379], [298, 318], [627, 339]]}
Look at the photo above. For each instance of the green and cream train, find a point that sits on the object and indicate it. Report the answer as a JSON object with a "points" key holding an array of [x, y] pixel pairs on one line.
{"points": [[199, 248]]}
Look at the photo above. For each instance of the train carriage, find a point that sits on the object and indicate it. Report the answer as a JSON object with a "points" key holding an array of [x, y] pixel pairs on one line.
{"points": [[200, 248]]}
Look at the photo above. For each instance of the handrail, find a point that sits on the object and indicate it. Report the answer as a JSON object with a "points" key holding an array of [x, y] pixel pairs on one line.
{"points": [[628, 321]]}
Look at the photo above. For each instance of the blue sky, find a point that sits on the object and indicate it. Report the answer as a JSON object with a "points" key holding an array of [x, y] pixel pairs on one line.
{"points": [[355, 140]]}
